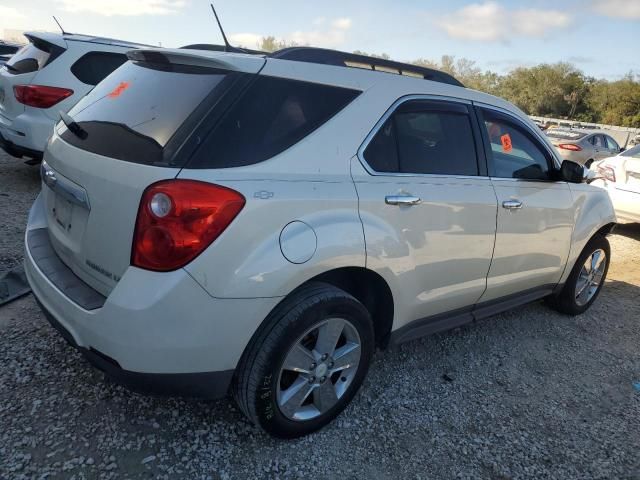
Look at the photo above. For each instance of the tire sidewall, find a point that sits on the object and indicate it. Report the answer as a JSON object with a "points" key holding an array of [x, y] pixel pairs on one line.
{"points": [[269, 415]]}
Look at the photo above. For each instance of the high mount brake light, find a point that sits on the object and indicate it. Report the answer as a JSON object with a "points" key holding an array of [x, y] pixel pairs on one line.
{"points": [[178, 219], [40, 96], [570, 146]]}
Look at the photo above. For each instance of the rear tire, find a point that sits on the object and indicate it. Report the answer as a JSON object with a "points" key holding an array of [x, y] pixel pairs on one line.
{"points": [[290, 380], [584, 284]]}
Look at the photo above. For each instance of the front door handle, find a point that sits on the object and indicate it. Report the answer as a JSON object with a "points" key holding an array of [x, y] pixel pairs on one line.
{"points": [[401, 200], [512, 204]]}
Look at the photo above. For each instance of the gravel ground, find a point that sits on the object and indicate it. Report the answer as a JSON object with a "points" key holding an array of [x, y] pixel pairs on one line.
{"points": [[525, 394]]}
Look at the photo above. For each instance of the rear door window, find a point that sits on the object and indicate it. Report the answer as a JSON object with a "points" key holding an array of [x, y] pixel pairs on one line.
{"points": [[271, 116], [93, 67], [135, 112], [425, 137]]}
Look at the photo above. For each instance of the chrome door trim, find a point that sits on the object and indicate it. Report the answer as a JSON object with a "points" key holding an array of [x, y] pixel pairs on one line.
{"points": [[512, 204], [402, 200], [64, 187], [394, 106]]}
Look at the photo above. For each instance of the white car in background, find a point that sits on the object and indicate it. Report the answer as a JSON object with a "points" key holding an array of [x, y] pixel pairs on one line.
{"points": [[48, 75], [621, 177]]}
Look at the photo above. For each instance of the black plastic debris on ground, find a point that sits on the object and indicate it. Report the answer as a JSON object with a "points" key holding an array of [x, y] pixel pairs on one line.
{"points": [[13, 284]]}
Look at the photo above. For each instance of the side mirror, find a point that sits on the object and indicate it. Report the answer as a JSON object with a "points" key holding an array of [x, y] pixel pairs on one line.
{"points": [[622, 149], [571, 172]]}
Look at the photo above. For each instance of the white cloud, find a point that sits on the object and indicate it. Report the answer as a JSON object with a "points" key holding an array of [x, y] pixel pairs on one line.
{"points": [[123, 7], [341, 23], [248, 40], [629, 9], [329, 33], [490, 22], [10, 13]]}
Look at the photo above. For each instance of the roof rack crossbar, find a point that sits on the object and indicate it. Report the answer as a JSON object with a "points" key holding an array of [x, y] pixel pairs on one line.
{"points": [[343, 59]]}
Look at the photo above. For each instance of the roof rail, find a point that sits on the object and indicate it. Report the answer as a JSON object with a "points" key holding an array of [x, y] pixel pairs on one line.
{"points": [[220, 48], [343, 59]]}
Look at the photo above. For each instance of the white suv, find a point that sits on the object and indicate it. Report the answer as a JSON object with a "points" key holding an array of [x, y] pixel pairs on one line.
{"points": [[216, 221], [48, 75]]}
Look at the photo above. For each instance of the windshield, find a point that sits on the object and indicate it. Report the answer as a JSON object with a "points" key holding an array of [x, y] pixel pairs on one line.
{"points": [[633, 152]]}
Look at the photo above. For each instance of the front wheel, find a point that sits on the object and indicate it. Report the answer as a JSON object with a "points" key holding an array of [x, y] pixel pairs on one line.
{"points": [[586, 279], [306, 363]]}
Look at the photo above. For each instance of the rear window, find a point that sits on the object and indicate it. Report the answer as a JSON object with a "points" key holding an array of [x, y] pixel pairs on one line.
{"points": [[632, 152], [93, 67], [133, 114], [34, 56], [28, 59], [564, 134], [271, 116]]}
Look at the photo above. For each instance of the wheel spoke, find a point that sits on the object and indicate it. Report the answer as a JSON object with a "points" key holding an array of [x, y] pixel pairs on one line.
{"points": [[299, 359], [291, 399], [584, 294], [600, 261], [596, 260], [582, 287], [346, 356], [324, 396], [328, 335]]}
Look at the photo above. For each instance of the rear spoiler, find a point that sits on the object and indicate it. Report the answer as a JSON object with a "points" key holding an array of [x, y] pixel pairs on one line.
{"points": [[236, 62]]}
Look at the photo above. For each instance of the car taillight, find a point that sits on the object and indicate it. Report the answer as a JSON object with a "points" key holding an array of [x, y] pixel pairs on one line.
{"points": [[570, 146], [178, 219], [607, 173], [40, 96]]}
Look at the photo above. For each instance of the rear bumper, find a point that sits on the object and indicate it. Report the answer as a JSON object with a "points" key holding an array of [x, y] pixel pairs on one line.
{"points": [[207, 385], [154, 329], [28, 132], [18, 151]]}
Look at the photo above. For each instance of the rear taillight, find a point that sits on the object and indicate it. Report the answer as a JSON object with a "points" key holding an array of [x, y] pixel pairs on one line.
{"points": [[607, 173], [570, 146], [178, 219], [40, 96]]}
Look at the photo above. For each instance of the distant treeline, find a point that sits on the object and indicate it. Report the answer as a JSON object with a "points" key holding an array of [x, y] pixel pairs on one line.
{"points": [[549, 90]]}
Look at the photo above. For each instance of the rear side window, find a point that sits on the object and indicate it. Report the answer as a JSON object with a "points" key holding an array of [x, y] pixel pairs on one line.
{"points": [[425, 138], [135, 112], [27, 60], [93, 67], [271, 116]]}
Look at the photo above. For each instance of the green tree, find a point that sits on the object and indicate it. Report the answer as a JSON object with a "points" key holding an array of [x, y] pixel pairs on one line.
{"points": [[272, 44]]}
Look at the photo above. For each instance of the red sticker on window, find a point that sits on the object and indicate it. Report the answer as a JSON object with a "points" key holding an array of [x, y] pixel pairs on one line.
{"points": [[119, 89], [506, 143]]}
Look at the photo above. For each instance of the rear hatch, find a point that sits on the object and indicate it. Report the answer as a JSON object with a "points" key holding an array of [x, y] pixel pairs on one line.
{"points": [[23, 66], [136, 127]]}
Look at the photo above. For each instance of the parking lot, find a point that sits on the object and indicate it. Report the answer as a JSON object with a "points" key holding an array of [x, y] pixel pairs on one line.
{"points": [[525, 394]]}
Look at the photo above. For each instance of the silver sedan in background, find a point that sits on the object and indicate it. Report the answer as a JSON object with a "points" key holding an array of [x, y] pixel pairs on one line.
{"points": [[583, 146]]}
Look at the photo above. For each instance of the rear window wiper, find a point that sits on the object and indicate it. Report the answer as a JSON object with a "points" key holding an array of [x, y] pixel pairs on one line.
{"points": [[73, 127]]}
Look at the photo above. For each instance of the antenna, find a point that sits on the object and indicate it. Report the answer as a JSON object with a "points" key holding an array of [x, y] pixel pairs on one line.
{"points": [[61, 29], [227, 46]]}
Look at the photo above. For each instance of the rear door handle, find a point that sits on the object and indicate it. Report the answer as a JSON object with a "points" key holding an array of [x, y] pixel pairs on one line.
{"points": [[401, 200], [512, 204]]}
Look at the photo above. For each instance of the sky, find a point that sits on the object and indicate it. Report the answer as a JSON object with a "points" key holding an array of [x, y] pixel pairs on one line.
{"points": [[601, 37]]}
